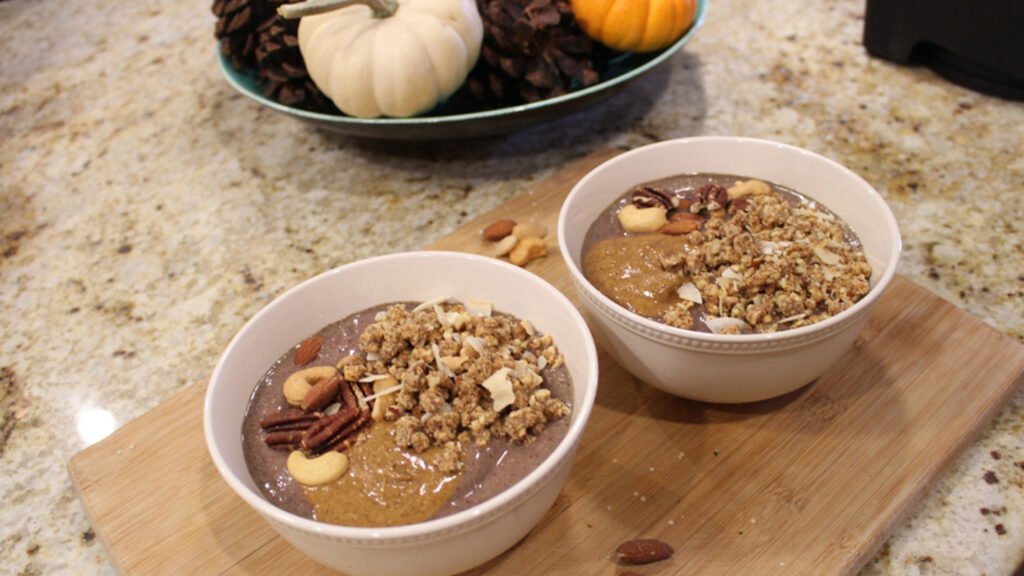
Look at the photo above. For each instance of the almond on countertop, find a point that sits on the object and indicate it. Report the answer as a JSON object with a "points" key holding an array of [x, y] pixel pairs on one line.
{"points": [[498, 230], [643, 551]]}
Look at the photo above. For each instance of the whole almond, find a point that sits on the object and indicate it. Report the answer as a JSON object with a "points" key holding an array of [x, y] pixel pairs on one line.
{"points": [[498, 230], [308, 350], [643, 551], [682, 214], [679, 227]]}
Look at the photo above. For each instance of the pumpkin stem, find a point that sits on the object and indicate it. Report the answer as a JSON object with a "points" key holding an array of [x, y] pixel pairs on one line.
{"points": [[381, 8]]}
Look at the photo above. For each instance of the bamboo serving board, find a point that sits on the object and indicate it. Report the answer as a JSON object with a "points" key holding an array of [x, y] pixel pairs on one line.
{"points": [[810, 483]]}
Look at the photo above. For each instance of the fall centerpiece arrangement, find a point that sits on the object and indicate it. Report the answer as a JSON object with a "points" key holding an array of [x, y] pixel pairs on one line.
{"points": [[402, 58]]}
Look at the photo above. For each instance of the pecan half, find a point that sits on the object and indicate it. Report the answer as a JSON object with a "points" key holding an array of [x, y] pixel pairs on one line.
{"points": [[348, 399], [645, 196], [321, 432], [289, 420], [284, 439], [710, 196], [349, 434], [321, 394]]}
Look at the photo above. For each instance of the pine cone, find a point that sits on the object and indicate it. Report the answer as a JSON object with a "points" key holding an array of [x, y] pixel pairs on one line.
{"points": [[237, 21], [532, 50], [282, 71]]}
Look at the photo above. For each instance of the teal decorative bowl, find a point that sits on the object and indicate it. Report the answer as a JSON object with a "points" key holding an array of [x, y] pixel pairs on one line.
{"points": [[457, 119]]}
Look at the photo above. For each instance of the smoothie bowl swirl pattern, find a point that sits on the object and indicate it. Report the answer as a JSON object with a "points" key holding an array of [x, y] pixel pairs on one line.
{"points": [[723, 367], [442, 545]]}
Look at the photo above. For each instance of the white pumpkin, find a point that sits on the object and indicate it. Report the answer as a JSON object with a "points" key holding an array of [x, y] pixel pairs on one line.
{"points": [[397, 58]]}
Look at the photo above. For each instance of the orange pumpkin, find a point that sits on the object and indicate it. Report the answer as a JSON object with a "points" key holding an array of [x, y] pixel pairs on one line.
{"points": [[635, 25]]}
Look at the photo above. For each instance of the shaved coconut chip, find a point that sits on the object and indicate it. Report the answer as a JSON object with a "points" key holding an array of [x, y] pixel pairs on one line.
{"points": [[380, 316], [731, 273], [372, 356], [477, 343], [767, 248], [826, 256], [815, 213], [442, 318], [374, 377], [794, 318], [429, 304], [440, 363], [360, 399], [689, 291], [528, 327], [385, 392], [718, 325], [542, 362], [522, 369], [829, 275], [332, 409], [500, 388], [478, 307]]}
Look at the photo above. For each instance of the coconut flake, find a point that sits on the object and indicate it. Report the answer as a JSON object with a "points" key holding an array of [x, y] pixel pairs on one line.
{"points": [[542, 362], [825, 256], [528, 327], [500, 387], [372, 356], [793, 318], [429, 304], [332, 409], [382, 315], [477, 343], [440, 363], [689, 291], [718, 325], [442, 318], [385, 392], [478, 307], [374, 377], [731, 273]]}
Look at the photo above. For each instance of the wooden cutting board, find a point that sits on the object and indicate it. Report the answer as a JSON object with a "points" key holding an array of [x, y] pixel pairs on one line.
{"points": [[810, 483]]}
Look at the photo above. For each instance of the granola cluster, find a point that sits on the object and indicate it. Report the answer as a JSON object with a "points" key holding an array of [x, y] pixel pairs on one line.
{"points": [[770, 264], [461, 374]]}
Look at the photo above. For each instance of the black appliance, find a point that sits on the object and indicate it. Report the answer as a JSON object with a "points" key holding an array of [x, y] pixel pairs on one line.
{"points": [[978, 44]]}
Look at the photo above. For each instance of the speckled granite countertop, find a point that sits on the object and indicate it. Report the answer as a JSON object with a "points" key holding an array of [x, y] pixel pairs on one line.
{"points": [[147, 210]]}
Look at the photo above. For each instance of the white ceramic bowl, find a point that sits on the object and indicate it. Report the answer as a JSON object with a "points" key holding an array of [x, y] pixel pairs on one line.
{"points": [[728, 368], [447, 545]]}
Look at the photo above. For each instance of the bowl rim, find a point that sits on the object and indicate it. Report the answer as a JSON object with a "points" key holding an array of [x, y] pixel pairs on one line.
{"points": [[729, 342], [230, 73], [431, 529]]}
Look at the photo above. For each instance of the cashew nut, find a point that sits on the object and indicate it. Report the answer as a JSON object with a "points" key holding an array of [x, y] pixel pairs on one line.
{"points": [[299, 384], [506, 245], [635, 219], [526, 250], [322, 469], [381, 403], [525, 230], [749, 188]]}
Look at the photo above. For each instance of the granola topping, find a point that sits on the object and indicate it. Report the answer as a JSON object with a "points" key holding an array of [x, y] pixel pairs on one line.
{"points": [[464, 375], [761, 259]]}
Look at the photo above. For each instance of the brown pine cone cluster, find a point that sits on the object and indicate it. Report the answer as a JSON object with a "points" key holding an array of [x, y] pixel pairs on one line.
{"points": [[281, 69], [532, 50], [253, 37]]}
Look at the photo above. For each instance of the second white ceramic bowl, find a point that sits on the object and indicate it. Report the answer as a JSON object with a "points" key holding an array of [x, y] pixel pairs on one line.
{"points": [[728, 368], [438, 547]]}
